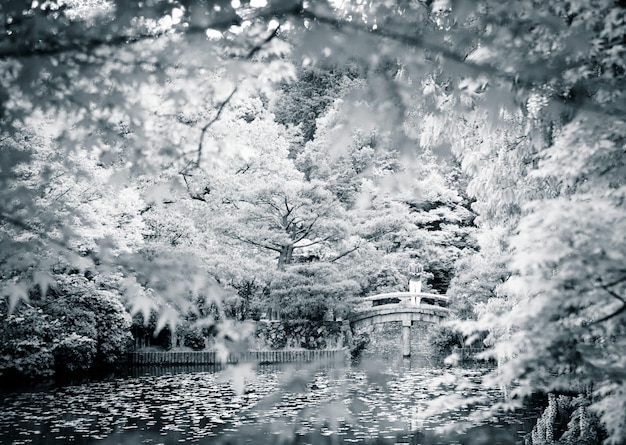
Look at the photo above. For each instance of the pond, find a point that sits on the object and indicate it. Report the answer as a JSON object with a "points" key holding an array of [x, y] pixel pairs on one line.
{"points": [[318, 403]]}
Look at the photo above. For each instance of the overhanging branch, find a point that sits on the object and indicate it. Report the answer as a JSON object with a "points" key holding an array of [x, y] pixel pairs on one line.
{"points": [[615, 295], [51, 45], [211, 122]]}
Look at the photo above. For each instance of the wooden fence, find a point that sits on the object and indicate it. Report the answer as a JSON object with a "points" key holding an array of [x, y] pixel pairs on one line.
{"points": [[210, 357]]}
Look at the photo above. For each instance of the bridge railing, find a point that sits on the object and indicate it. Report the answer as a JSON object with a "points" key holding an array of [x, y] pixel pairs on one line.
{"points": [[400, 298]]}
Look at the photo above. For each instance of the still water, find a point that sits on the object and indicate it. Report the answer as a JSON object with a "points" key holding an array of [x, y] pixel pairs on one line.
{"points": [[319, 403]]}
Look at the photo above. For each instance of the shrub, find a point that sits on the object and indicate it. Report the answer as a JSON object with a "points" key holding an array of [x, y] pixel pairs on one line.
{"points": [[359, 343], [24, 347], [310, 291], [74, 353], [443, 340], [112, 325], [72, 327], [194, 339], [94, 313], [29, 357]]}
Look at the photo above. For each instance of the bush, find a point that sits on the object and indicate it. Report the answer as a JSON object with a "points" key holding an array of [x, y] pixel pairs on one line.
{"points": [[30, 357], [71, 328], [112, 325], [74, 353], [310, 291], [444, 340], [145, 334], [359, 343], [24, 346], [94, 313], [194, 339]]}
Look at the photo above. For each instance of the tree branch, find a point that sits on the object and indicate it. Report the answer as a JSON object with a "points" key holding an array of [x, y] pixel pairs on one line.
{"points": [[196, 196], [52, 46], [230, 96], [347, 252], [289, 210], [479, 68], [608, 317], [258, 47], [305, 232], [256, 243], [612, 283], [211, 122], [616, 296], [312, 243], [266, 201]]}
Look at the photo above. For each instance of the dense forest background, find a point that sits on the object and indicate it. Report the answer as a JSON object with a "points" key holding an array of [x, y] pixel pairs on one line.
{"points": [[199, 164]]}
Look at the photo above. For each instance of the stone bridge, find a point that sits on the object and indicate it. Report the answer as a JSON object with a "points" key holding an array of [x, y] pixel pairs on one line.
{"points": [[407, 307]]}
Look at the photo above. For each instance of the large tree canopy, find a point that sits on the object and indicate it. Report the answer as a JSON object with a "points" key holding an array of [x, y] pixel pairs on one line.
{"points": [[119, 119]]}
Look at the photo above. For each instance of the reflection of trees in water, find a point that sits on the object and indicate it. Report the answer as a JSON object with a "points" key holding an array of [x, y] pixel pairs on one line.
{"points": [[357, 403]]}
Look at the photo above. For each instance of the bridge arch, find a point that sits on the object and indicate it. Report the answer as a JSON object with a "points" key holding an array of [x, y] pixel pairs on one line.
{"points": [[406, 307]]}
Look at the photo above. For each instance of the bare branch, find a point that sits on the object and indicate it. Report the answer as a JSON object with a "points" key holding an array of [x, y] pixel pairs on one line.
{"points": [[256, 243], [303, 233], [211, 122], [258, 47], [345, 253], [608, 317], [615, 313]]}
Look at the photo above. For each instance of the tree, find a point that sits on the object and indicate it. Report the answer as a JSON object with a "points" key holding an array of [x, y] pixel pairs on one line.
{"points": [[313, 292], [400, 205], [553, 318], [258, 196], [302, 102]]}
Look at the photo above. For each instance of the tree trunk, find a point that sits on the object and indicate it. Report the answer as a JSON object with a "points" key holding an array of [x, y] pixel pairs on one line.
{"points": [[285, 257]]}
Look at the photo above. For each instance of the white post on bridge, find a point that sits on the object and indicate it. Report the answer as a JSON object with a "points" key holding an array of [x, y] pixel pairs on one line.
{"points": [[406, 336], [415, 287]]}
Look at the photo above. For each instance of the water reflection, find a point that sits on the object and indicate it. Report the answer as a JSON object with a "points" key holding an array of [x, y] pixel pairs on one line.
{"points": [[320, 403]]}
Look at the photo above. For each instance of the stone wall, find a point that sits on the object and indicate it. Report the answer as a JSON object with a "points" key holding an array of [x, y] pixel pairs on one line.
{"points": [[302, 334], [385, 340]]}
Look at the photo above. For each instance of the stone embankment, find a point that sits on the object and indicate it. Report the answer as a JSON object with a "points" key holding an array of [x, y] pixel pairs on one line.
{"points": [[212, 357]]}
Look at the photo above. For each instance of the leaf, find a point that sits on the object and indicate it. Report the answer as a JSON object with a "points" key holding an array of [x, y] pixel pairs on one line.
{"points": [[158, 193], [44, 281], [16, 292], [239, 375], [168, 317], [119, 179], [144, 305]]}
